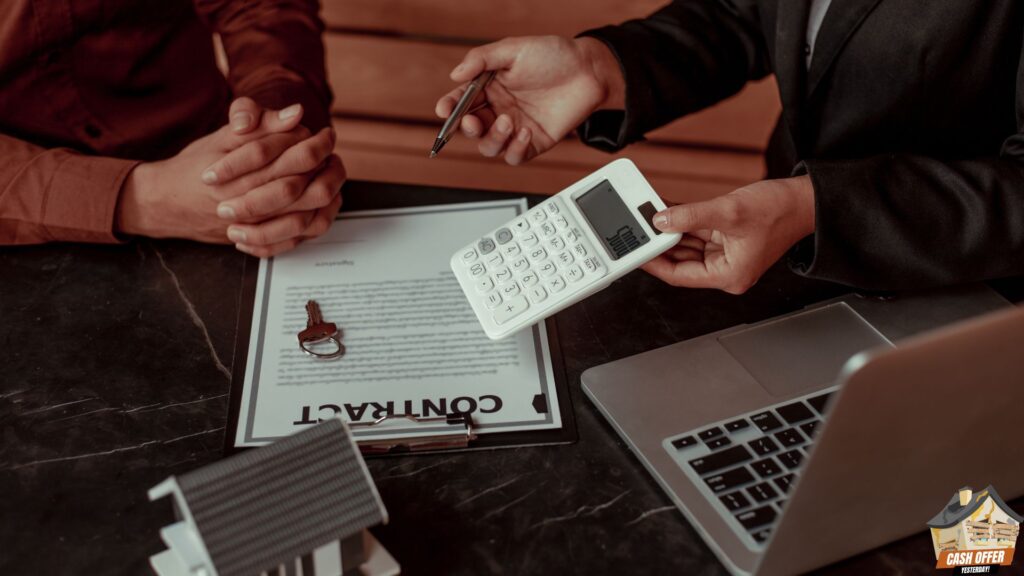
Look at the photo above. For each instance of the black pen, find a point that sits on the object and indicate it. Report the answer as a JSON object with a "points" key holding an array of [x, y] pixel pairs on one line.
{"points": [[451, 125]]}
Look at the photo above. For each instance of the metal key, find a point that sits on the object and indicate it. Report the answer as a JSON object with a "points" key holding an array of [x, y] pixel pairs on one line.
{"points": [[316, 329]]}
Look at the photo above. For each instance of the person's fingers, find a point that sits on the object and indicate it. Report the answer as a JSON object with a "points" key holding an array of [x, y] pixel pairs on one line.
{"points": [[264, 200], [686, 273], [272, 231], [492, 144], [250, 156], [304, 156], [518, 147], [681, 253], [244, 115], [493, 56], [722, 213], [271, 122], [323, 219], [270, 250], [690, 241], [322, 189], [318, 225], [447, 103]]}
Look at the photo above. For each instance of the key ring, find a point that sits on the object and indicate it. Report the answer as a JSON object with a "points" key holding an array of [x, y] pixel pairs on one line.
{"points": [[320, 355]]}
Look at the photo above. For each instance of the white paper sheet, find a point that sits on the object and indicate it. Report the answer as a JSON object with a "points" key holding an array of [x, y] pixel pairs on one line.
{"points": [[413, 344]]}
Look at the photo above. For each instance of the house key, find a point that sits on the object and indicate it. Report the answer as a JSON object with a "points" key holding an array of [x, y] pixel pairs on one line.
{"points": [[318, 331]]}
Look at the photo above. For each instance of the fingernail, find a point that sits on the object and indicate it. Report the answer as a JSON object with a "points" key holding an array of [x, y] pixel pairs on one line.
{"points": [[209, 176], [236, 235], [504, 125], [661, 220], [241, 121], [459, 68], [243, 248], [289, 112], [524, 135], [226, 212]]}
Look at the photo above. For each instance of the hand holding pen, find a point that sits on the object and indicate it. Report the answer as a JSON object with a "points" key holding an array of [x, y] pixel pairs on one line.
{"points": [[543, 88]]}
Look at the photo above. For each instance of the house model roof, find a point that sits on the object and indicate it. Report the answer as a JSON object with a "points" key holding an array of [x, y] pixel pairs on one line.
{"points": [[954, 513], [268, 506]]}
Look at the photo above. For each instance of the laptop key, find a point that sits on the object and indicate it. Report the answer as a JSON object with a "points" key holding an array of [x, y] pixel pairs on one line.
{"points": [[684, 442], [721, 459], [763, 446], [784, 482], [757, 517], [789, 437], [710, 433], [795, 412], [716, 443], [766, 421], [790, 459], [810, 427], [761, 536], [819, 402], [734, 500], [762, 492], [766, 467], [737, 425], [729, 479]]}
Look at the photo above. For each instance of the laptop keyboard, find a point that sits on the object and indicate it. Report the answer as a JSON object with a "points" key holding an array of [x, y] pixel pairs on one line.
{"points": [[746, 465]]}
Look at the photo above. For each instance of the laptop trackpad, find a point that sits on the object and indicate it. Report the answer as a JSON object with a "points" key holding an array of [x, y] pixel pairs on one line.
{"points": [[804, 351]]}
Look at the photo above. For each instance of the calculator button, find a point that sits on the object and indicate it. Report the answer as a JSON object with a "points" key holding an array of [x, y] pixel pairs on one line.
{"points": [[519, 264], [561, 223], [529, 239], [503, 235], [538, 254], [477, 269], [492, 300], [494, 260], [510, 290], [556, 243], [574, 273], [547, 268], [553, 207], [574, 235], [485, 246], [538, 294], [547, 229], [511, 249], [510, 309], [537, 216], [520, 226], [503, 275], [564, 259], [484, 284], [579, 250], [555, 283], [528, 279], [592, 264], [469, 256]]}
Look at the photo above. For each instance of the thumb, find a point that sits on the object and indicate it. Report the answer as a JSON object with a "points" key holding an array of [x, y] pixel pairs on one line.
{"points": [[493, 56], [719, 213], [244, 115]]}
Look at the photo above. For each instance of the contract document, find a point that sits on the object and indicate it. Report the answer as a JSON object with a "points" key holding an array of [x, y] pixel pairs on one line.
{"points": [[412, 343]]}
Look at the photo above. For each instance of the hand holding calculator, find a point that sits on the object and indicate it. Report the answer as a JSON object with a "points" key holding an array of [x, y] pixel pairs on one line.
{"points": [[562, 250]]}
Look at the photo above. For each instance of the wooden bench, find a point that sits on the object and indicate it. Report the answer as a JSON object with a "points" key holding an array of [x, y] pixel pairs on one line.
{"points": [[388, 62]]}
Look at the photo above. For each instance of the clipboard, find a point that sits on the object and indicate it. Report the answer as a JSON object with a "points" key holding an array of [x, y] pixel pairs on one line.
{"points": [[459, 434]]}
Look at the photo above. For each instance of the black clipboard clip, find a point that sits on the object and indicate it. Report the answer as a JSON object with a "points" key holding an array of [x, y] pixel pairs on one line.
{"points": [[455, 431]]}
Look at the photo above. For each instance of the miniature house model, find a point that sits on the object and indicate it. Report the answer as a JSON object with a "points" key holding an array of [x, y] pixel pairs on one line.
{"points": [[975, 521], [298, 507]]}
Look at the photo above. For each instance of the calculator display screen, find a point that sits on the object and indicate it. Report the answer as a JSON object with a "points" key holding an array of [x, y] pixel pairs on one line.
{"points": [[611, 220]]}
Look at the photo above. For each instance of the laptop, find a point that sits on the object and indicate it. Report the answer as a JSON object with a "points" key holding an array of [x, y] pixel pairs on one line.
{"points": [[805, 439]]}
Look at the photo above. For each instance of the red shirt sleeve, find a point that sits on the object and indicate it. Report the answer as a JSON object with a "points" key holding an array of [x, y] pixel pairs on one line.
{"points": [[57, 194], [275, 52]]}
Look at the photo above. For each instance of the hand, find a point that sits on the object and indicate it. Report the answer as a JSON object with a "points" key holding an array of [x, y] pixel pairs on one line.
{"points": [[545, 87], [730, 241]]}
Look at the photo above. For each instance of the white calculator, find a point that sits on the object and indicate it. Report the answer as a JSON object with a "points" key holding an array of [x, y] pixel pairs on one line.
{"points": [[562, 250]]}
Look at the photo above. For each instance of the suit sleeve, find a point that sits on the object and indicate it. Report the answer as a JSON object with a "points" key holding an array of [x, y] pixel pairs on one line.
{"points": [[684, 57], [57, 194], [896, 222], [275, 52]]}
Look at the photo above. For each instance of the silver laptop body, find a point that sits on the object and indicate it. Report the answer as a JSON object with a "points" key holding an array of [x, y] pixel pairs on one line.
{"points": [[875, 469]]}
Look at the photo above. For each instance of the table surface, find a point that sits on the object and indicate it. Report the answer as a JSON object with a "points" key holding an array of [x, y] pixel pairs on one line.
{"points": [[117, 363]]}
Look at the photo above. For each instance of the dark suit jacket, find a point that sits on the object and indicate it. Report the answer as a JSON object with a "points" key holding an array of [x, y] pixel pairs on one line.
{"points": [[909, 123]]}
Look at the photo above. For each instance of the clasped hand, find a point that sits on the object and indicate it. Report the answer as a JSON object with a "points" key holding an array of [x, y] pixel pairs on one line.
{"points": [[262, 182]]}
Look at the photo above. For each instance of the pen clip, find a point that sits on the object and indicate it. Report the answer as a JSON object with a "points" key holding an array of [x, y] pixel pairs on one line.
{"points": [[460, 434]]}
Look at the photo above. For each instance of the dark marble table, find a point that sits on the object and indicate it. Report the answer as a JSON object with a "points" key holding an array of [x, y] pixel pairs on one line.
{"points": [[116, 363]]}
